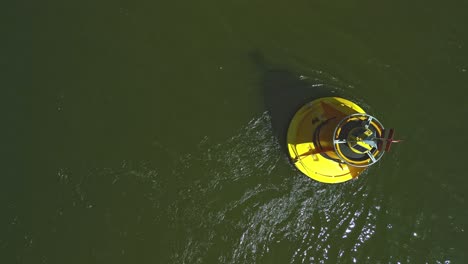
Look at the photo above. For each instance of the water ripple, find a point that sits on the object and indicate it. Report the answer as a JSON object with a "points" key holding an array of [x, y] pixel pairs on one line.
{"points": [[261, 212]]}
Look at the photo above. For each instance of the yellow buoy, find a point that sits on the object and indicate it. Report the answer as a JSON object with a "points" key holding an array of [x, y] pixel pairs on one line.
{"points": [[333, 140]]}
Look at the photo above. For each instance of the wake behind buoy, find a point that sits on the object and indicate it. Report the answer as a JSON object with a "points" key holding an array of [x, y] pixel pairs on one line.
{"points": [[333, 140]]}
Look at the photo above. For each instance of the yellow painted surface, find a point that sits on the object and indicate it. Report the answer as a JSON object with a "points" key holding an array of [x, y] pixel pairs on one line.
{"points": [[302, 150]]}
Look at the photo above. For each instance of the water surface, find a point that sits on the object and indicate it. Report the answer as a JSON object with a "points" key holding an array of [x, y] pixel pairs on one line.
{"points": [[152, 131]]}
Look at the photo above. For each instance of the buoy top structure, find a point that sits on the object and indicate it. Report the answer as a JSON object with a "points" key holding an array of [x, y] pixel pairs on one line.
{"points": [[334, 140]]}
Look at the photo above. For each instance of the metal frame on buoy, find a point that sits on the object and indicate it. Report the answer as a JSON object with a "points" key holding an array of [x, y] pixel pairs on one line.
{"points": [[366, 157]]}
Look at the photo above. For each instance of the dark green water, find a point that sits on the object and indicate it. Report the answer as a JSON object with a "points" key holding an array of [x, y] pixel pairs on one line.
{"points": [[152, 131]]}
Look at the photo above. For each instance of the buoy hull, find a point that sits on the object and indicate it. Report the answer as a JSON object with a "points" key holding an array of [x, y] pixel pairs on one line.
{"points": [[310, 140]]}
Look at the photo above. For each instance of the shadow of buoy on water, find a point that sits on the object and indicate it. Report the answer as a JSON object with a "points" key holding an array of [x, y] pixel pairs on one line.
{"points": [[284, 92]]}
